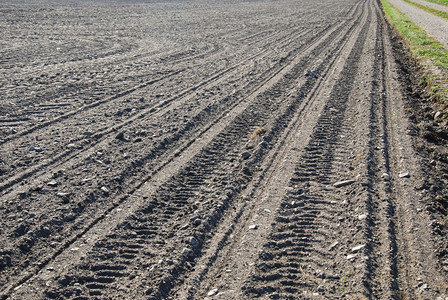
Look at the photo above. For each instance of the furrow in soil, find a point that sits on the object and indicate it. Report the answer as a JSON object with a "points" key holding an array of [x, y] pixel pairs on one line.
{"points": [[237, 150], [78, 223]]}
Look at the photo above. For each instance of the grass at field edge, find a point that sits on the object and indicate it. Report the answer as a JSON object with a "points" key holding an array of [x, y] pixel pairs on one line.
{"points": [[430, 53], [441, 2]]}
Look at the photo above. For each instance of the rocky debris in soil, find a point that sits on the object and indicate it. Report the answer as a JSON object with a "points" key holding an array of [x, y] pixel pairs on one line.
{"points": [[362, 217], [245, 155], [52, 183], [404, 175], [343, 183], [332, 246], [193, 242], [357, 248], [36, 149], [212, 292], [351, 256], [385, 176], [311, 74]]}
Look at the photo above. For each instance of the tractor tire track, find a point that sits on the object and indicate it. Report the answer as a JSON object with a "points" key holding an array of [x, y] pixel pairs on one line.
{"points": [[268, 160], [303, 63], [301, 71]]}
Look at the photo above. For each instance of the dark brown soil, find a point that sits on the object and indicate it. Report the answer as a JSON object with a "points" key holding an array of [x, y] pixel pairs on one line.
{"points": [[210, 150]]}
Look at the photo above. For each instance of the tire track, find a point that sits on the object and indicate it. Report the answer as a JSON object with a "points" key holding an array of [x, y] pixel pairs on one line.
{"points": [[229, 252], [148, 110], [397, 215], [380, 228], [299, 258], [173, 60], [183, 190], [61, 159]]}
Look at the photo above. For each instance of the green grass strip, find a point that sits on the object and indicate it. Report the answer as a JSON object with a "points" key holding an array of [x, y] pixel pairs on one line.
{"points": [[426, 49], [421, 44], [429, 9], [441, 2]]}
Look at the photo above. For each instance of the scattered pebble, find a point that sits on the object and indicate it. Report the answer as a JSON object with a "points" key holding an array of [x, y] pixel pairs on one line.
{"points": [[351, 256], [36, 149], [321, 288], [245, 155], [424, 287], [357, 248], [332, 246], [121, 136], [437, 115], [404, 175], [385, 176], [343, 183], [187, 252], [311, 74], [52, 183], [193, 242], [105, 189], [212, 292], [253, 226], [62, 194], [88, 133], [362, 217]]}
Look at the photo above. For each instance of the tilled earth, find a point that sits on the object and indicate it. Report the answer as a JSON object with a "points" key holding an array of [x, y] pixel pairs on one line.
{"points": [[209, 150]]}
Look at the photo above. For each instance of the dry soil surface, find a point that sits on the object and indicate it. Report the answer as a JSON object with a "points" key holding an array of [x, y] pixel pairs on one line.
{"points": [[215, 150]]}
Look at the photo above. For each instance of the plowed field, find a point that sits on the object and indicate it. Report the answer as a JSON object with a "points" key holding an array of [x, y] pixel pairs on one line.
{"points": [[208, 149]]}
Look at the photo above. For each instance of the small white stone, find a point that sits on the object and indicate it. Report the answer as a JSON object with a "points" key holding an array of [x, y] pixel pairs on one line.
{"points": [[332, 246], [362, 217], [385, 176], [253, 226], [404, 175], [343, 183], [351, 256], [357, 248], [212, 292]]}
